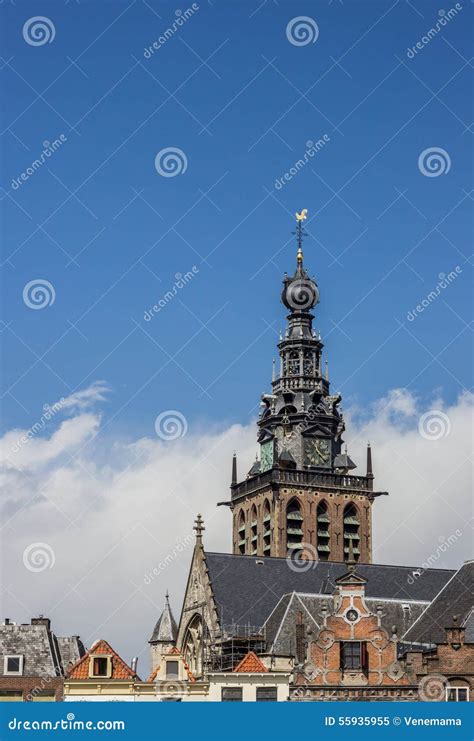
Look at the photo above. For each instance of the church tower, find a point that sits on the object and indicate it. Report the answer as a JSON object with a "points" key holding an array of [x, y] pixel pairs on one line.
{"points": [[164, 635], [299, 498]]}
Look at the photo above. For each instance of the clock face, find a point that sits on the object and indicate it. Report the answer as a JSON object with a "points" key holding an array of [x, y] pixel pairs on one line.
{"points": [[318, 452], [266, 455]]}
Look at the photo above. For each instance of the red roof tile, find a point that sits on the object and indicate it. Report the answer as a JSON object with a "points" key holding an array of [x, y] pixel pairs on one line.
{"points": [[120, 670], [250, 664]]}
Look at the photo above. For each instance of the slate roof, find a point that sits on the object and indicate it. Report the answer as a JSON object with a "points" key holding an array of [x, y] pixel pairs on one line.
{"points": [[165, 630], [120, 670], [250, 664], [280, 626], [247, 588], [469, 628], [454, 598], [44, 654]]}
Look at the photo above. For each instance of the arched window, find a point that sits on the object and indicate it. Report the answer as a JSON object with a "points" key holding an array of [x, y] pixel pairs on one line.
{"points": [[241, 532], [294, 363], [308, 363], [294, 528], [267, 531], [253, 531], [351, 526], [322, 531], [193, 645]]}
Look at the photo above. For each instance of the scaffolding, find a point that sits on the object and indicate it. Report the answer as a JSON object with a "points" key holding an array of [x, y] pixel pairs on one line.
{"points": [[234, 642]]}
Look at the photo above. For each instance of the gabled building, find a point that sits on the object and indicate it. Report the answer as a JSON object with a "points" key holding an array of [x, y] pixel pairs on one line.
{"points": [[439, 646], [101, 674], [34, 661], [250, 681]]}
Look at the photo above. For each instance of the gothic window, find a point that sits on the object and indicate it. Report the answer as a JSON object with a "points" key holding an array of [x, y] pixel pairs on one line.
{"points": [[241, 532], [322, 531], [253, 531], [193, 645], [267, 530], [294, 363], [351, 531], [294, 528]]}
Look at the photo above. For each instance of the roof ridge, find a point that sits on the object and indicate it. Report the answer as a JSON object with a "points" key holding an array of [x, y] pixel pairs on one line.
{"points": [[325, 563]]}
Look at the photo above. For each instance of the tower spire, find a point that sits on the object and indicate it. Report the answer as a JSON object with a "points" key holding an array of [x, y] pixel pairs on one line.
{"points": [[234, 469], [369, 474]]}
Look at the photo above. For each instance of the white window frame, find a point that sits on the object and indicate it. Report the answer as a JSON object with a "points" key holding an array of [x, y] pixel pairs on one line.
{"points": [[7, 673], [91, 666], [456, 688]]}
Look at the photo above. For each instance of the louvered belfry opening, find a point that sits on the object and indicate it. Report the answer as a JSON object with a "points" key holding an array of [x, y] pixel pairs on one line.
{"points": [[322, 531], [351, 531]]}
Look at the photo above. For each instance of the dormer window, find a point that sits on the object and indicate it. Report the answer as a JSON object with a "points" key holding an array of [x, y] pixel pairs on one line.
{"points": [[172, 670], [100, 666], [13, 665]]}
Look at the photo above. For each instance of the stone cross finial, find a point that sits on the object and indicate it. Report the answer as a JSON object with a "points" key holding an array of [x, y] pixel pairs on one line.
{"points": [[199, 527]]}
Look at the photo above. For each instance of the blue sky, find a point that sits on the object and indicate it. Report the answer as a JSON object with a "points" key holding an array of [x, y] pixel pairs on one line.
{"points": [[229, 89]]}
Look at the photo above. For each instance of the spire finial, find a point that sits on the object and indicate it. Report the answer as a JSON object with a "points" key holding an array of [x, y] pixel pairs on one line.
{"points": [[199, 528], [350, 558], [300, 234], [369, 474], [167, 596], [234, 469], [327, 371], [273, 370]]}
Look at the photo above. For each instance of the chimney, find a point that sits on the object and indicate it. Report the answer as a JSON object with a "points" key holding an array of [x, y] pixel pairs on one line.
{"points": [[7, 621], [41, 621], [455, 634], [134, 664]]}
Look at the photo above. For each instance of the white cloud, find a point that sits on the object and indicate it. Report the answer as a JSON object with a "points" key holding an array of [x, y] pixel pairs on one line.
{"points": [[121, 531]]}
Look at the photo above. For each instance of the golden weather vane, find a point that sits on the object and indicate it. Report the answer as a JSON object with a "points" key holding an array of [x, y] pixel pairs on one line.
{"points": [[300, 232]]}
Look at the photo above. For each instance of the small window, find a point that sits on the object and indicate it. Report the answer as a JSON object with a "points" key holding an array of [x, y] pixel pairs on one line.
{"points": [[457, 694], [13, 665], [353, 656], [172, 670], [11, 696], [44, 697], [231, 694], [267, 694], [100, 666]]}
